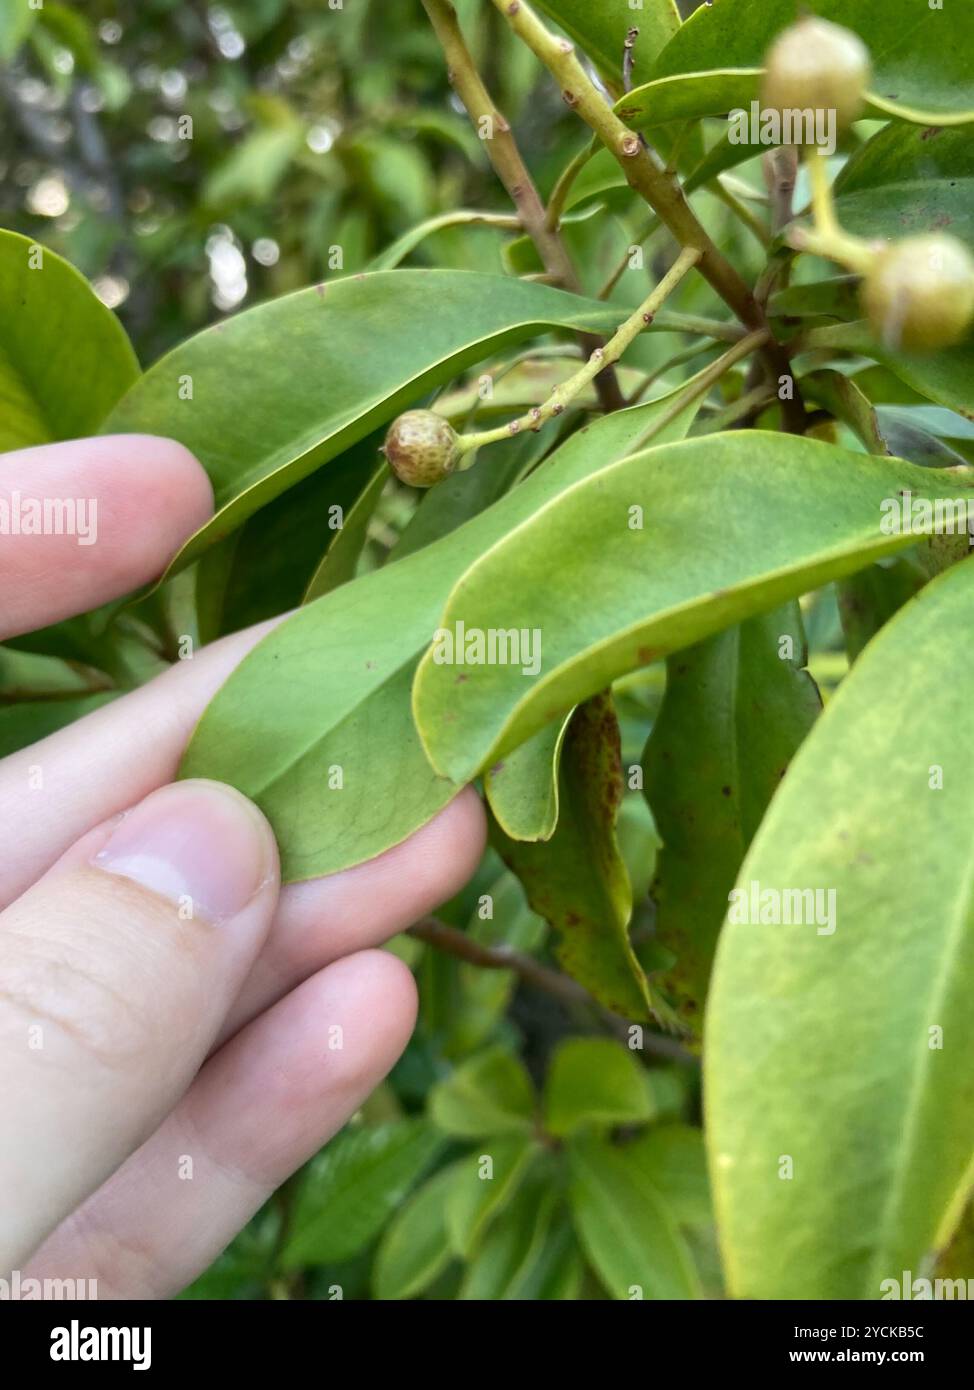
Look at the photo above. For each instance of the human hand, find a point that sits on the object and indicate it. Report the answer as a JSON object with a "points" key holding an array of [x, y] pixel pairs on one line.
{"points": [[133, 1035]]}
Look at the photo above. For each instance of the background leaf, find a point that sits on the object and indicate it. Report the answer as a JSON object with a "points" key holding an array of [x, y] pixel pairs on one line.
{"points": [[577, 881], [414, 1248], [907, 180], [735, 712], [594, 1081], [489, 1095], [64, 357], [601, 30], [473, 1201], [820, 1046], [624, 1225], [354, 1186], [918, 53]]}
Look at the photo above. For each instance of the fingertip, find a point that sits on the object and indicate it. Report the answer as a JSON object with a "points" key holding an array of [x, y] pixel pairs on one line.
{"points": [[172, 484], [442, 855]]}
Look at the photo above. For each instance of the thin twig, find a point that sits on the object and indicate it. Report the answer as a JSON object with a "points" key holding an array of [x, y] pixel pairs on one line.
{"points": [[629, 58], [740, 412], [505, 157], [559, 194], [537, 976], [700, 384]]}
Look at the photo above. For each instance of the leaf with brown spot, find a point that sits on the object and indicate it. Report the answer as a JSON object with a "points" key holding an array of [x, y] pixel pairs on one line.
{"points": [[734, 713], [577, 879]]}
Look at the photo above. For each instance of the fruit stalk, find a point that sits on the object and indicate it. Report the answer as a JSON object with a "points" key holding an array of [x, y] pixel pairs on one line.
{"points": [[562, 395]]}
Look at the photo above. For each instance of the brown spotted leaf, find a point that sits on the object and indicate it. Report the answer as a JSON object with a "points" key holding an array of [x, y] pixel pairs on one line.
{"points": [[736, 708], [577, 880]]}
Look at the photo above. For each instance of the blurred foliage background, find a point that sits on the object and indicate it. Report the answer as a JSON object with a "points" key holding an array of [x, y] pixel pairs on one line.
{"points": [[192, 159]]}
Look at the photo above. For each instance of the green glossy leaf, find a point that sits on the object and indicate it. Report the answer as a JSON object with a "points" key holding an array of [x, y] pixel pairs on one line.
{"points": [[946, 377], [414, 1249], [324, 367], [625, 1227], [608, 597], [511, 1263], [577, 881], [522, 789], [594, 1081], [491, 1094], [834, 298], [601, 28], [64, 357], [736, 709], [398, 251], [907, 180], [944, 424], [354, 1185], [824, 1042], [919, 54], [475, 1198], [340, 560], [843, 399], [350, 657], [689, 96]]}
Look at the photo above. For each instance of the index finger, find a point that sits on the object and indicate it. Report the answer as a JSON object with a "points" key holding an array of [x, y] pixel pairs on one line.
{"points": [[89, 520]]}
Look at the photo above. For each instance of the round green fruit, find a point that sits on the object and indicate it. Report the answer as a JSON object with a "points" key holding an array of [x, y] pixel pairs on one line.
{"points": [[818, 66], [919, 294], [421, 448]]}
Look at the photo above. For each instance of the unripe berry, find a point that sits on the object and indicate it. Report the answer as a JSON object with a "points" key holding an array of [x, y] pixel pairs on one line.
{"points": [[421, 448], [818, 66], [919, 294]]}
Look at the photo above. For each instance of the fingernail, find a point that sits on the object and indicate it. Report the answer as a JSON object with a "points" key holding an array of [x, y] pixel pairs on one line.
{"points": [[200, 844]]}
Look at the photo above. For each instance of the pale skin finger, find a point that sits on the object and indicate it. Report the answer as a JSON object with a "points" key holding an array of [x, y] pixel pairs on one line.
{"points": [[262, 1106], [116, 972], [123, 505], [105, 762]]}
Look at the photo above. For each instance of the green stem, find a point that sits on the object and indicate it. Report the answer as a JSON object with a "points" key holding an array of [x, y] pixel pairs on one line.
{"points": [[677, 360], [652, 226], [743, 213], [751, 403], [600, 358], [646, 173], [828, 238], [703, 381], [561, 190]]}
